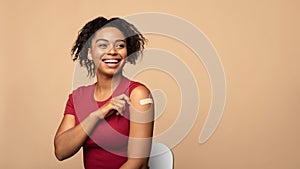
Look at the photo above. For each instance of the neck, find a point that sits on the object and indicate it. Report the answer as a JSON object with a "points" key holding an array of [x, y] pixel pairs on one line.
{"points": [[106, 84]]}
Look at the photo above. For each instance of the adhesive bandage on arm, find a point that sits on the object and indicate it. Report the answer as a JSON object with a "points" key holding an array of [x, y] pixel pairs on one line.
{"points": [[143, 114], [146, 101]]}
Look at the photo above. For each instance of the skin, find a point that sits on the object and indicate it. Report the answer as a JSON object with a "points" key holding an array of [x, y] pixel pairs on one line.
{"points": [[108, 43]]}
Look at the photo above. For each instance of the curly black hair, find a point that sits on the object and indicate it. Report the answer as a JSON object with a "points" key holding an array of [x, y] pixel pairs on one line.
{"points": [[135, 41]]}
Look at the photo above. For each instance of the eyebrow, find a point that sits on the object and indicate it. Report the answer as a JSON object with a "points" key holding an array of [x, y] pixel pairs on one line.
{"points": [[118, 40]]}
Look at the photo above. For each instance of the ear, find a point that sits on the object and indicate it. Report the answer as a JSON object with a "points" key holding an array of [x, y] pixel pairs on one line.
{"points": [[89, 55]]}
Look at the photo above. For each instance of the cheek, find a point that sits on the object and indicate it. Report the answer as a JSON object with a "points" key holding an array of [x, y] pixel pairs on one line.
{"points": [[123, 53], [97, 58], [99, 54]]}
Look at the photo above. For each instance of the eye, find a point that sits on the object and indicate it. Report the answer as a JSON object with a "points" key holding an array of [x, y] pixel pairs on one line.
{"points": [[103, 45], [120, 45]]}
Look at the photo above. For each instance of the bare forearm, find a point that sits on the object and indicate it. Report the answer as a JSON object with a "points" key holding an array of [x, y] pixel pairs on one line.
{"points": [[135, 164], [138, 153], [70, 141]]}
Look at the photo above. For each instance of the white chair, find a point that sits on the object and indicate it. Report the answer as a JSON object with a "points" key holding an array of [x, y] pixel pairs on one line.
{"points": [[161, 157]]}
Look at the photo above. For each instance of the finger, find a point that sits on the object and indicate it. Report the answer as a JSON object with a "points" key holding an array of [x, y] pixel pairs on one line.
{"points": [[124, 97], [119, 110], [120, 102], [118, 105], [115, 105]]}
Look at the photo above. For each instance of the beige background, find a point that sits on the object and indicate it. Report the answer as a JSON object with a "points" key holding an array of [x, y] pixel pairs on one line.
{"points": [[258, 43]]}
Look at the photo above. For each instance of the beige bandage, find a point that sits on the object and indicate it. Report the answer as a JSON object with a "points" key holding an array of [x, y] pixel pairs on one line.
{"points": [[146, 101]]}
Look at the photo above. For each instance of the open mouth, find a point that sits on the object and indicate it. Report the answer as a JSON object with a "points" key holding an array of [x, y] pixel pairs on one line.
{"points": [[111, 61]]}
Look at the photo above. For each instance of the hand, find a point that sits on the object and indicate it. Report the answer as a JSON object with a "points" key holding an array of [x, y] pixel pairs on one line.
{"points": [[115, 105]]}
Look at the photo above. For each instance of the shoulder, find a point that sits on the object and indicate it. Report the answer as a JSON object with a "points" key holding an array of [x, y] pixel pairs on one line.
{"points": [[140, 91], [83, 89], [137, 95]]}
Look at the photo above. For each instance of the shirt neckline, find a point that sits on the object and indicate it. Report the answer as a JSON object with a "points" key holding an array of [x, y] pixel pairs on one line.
{"points": [[105, 100]]}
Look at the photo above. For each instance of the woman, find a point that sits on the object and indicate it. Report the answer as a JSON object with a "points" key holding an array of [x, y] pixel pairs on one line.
{"points": [[112, 119]]}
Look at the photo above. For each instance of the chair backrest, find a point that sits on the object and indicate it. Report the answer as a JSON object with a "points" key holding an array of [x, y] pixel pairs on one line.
{"points": [[161, 157]]}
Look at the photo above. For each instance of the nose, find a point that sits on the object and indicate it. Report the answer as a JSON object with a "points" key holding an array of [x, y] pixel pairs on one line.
{"points": [[112, 51]]}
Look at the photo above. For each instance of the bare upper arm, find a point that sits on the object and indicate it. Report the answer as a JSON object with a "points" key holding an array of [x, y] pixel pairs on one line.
{"points": [[141, 128], [141, 116], [67, 123], [137, 94]]}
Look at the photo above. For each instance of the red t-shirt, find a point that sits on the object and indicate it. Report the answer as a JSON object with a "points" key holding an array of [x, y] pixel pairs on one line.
{"points": [[106, 147]]}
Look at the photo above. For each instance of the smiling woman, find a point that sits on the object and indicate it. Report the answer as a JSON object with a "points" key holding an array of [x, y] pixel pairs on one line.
{"points": [[108, 50], [97, 117], [134, 40]]}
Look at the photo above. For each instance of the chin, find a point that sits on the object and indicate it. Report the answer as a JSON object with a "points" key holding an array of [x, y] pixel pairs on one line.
{"points": [[111, 73]]}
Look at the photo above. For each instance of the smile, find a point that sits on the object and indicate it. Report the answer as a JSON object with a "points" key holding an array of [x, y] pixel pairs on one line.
{"points": [[111, 61]]}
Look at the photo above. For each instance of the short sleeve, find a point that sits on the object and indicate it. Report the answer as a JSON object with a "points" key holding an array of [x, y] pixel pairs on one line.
{"points": [[69, 109], [133, 85]]}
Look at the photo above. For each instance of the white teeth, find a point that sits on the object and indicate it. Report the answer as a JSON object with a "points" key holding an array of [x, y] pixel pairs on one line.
{"points": [[110, 61]]}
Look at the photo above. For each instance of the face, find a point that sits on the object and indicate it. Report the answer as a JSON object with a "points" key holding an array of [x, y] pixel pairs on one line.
{"points": [[108, 50]]}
